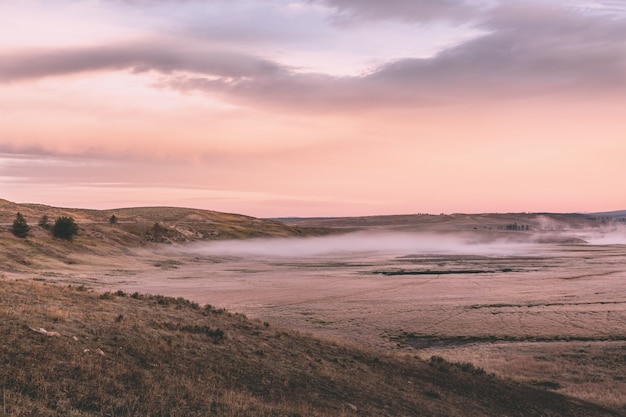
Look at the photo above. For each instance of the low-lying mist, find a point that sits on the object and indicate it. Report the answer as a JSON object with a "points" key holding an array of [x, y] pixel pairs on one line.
{"points": [[613, 236], [400, 243], [408, 243]]}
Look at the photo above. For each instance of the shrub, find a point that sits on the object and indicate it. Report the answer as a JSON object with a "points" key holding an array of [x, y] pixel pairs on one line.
{"points": [[470, 368], [20, 228], [158, 232], [432, 394], [44, 222], [65, 228]]}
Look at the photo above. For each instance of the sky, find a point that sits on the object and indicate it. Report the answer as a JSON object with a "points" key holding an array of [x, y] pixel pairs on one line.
{"points": [[276, 108]]}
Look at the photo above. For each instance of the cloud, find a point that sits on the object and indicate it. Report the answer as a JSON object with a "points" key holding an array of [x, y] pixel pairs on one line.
{"points": [[408, 11], [157, 56], [529, 50]]}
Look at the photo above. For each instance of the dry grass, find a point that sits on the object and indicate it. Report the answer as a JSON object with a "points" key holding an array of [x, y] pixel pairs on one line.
{"points": [[590, 370], [554, 322], [135, 355]]}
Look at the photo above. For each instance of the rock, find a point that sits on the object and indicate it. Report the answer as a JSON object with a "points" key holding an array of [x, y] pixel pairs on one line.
{"points": [[43, 331]]}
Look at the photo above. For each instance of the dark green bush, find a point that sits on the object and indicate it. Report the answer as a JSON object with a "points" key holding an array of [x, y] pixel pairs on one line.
{"points": [[65, 228]]}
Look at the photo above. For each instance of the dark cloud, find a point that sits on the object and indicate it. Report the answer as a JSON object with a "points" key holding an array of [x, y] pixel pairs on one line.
{"points": [[156, 56], [409, 11], [521, 56], [527, 51], [156, 2]]}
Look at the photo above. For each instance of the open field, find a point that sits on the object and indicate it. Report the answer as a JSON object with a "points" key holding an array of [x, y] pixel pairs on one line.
{"points": [[551, 315], [545, 306]]}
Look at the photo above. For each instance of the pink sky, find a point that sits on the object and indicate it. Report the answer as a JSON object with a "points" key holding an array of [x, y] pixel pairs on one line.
{"points": [[316, 107]]}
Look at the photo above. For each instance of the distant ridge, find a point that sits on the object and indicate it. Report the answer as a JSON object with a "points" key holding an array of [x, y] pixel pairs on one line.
{"points": [[451, 222], [616, 213]]}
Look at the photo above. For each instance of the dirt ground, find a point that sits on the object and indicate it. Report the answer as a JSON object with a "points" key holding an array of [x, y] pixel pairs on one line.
{"points": [[550, 314]]}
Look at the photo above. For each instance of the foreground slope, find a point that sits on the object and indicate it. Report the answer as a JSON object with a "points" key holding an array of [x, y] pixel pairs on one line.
{"points": [[68, 351]]}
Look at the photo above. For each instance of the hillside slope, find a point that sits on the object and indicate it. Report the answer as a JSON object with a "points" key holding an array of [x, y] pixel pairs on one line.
{"points": [[135, 228], [67, 351], [180, 223]]}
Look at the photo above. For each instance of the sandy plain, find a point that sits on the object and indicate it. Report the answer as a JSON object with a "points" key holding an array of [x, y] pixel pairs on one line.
{"points": [[551, 314]]}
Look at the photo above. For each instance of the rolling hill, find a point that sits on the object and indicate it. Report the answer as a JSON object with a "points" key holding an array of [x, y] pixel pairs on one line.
{"points": [[135, 228], [181, 224]]}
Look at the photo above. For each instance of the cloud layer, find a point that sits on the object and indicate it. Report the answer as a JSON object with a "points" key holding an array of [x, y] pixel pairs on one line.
{"points": [[528, 50], [399, 106]]}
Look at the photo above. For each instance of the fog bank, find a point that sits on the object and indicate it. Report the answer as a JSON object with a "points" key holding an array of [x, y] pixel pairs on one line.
{"points": [[408, 243], [364, 243]]}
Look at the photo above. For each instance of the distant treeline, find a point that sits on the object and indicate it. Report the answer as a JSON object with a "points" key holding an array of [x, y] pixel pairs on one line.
{"points": [[515, 226]]}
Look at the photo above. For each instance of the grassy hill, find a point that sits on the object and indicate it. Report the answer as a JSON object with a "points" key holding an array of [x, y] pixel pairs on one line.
{"points": [[181, 224], [135, 228], [68, 351]]}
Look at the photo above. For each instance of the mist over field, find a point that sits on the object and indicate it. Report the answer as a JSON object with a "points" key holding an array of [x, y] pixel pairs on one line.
{"points": [[613, 236], [365, 242], [404, 243]]}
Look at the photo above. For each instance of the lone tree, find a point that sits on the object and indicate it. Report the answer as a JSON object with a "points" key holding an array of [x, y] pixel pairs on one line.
{"points": [[44, 222], [20, 228], [65, 228], [158, 232], [113, 220]]}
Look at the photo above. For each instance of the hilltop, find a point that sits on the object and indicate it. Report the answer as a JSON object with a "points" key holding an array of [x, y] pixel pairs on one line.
{"points": [[70, 351], [621, 214], [181, 224]]}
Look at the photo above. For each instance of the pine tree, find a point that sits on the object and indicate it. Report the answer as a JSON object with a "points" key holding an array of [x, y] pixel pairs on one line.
{"points": [[20, 228], [65, 228], [44, 222]]}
